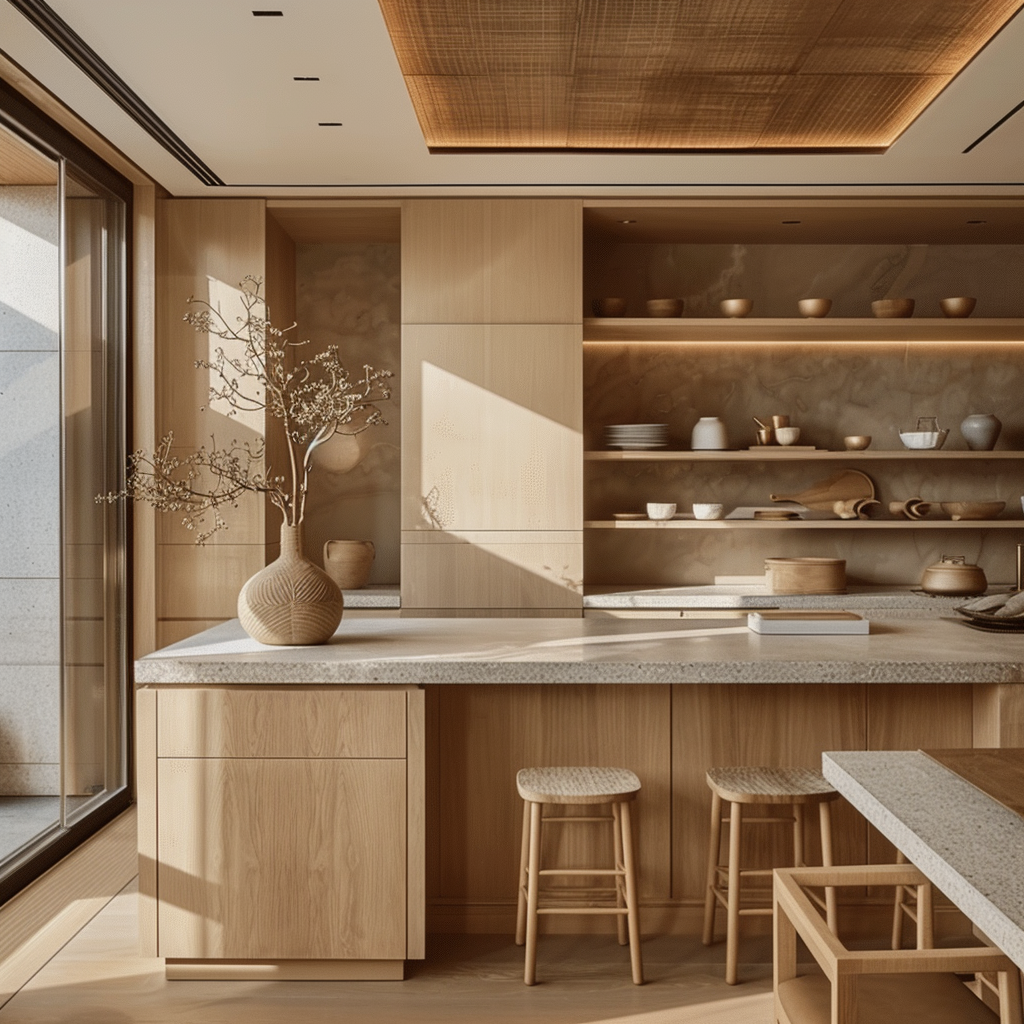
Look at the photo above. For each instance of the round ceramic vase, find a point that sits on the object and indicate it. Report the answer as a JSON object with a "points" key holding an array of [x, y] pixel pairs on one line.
{"points": [[709, 435], [981, 431], [291, 601]]}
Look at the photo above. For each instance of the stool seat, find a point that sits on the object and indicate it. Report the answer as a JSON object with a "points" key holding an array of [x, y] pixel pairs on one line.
{"points": [[575, 785], [759, 785]]}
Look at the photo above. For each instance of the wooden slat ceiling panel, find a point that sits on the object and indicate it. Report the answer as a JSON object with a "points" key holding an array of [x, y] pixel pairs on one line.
{"points": [[639, 39], [681, 74], [20, 164]]}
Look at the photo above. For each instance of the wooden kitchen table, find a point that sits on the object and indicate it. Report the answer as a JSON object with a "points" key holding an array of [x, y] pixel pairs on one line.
{"points": [[958, 815]]}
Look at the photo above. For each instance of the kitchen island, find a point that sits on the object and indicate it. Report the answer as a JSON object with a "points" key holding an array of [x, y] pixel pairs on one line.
{"points": [[312, 812]]}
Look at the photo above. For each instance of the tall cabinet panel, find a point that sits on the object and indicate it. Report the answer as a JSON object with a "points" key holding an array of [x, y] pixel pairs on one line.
{"points": [[204, 250], [492, 428]]}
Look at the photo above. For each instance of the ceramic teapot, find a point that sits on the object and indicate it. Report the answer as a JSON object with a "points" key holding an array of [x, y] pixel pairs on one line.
{"points": [[952, 576]]}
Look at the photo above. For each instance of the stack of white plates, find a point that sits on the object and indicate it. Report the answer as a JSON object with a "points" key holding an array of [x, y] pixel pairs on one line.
{"points": [[634, 436]]}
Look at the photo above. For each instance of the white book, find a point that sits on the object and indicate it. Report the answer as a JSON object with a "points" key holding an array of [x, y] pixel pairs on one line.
{"points": [[808, 622]]}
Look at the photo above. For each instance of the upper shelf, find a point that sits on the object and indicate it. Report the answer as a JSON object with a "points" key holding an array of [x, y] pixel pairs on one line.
{"points": [[802, 329], [784, 455]]}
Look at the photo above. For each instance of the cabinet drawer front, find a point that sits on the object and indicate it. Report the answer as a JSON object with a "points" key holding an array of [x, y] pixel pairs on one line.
{"points": [[265, 722], [282, 858]]}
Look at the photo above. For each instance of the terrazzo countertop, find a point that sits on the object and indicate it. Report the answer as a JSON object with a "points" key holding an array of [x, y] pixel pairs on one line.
{"points": [[377, 596], [423, 651], [966, 843]]}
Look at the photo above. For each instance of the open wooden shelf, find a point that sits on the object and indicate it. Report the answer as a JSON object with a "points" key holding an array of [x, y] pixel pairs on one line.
{"points": [[803, 524], [800, 329], [780, 454]]}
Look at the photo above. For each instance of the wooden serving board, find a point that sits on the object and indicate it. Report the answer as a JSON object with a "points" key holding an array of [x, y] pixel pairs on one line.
{"points": [[842, 486]]}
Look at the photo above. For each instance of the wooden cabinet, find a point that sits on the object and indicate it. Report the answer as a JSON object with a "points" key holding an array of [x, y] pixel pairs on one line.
{"points": [[282, 824], [492, 406]]}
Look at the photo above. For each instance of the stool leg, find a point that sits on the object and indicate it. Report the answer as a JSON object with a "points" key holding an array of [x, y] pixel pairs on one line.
{"points": [[825, 820], [798, 836], [532, 895], [732, 934], [620, 861], [633, 915], [714, 843], [897, 909], [925, 934], [524, 853]]}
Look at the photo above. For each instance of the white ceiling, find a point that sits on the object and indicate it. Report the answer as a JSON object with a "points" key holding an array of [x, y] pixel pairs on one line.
{"points": [[222, 80]]}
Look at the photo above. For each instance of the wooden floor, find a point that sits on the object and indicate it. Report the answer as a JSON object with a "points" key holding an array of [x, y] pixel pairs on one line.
{"points": [[98, 978]]}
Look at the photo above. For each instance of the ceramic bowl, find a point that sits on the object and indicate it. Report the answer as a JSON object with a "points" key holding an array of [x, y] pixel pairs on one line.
{"points": [[962, 305], [857, 442], [787, 435], [609, 307], [886, 309], [958, 510], [736, 307], [814, 307], [704, 510], [923, 439], [660, 509], [664, 307]]}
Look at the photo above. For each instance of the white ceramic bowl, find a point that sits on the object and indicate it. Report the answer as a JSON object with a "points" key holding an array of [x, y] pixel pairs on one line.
{"points": [[704, 510], [787, 435], [660, 509], [921, 439]]}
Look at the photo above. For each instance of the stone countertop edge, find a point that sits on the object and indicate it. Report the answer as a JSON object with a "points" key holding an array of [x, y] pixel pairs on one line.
{"points": [[589, 651], [373, 597], [970, 846]]}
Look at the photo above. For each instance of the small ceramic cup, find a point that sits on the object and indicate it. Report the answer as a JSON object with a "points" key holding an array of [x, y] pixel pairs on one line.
{"points": [[736, 307], [787, 435], [660, 509], [857, 442], [703, 510], [814, 307]]}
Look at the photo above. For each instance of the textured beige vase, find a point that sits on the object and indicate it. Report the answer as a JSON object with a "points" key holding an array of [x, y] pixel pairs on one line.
{"points": [[348, 562], [291, 601]]}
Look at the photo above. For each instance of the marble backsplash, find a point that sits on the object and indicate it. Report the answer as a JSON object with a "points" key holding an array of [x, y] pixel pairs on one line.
{"points": [[776, 276], [829, 391], [349, 295]]}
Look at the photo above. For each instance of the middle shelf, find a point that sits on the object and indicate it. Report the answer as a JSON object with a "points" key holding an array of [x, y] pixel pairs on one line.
{"points": [[782, 455]]}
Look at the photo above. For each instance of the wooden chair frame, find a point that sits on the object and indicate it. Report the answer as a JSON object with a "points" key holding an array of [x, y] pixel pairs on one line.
{"points": [[795, 914]]}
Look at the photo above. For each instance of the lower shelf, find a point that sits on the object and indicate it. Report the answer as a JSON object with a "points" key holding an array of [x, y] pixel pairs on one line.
{"points": [[804, 524]]}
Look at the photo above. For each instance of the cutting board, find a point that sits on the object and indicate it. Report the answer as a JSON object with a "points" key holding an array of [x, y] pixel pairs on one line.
{"points": [[841, 486]]}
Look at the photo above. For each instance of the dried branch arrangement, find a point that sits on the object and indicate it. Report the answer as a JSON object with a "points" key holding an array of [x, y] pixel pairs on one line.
{"points": [[314, 399]]}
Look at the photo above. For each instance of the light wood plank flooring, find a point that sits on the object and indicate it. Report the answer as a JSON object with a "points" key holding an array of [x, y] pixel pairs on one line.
{"points": [[98, 978]]}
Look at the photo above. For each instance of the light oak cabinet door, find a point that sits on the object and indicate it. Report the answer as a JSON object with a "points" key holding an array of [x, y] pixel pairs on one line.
{"points": [[282, 858], [492, 261]]}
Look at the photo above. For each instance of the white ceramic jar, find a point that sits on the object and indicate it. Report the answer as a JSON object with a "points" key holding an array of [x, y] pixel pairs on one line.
{"points": [[709, 435]]}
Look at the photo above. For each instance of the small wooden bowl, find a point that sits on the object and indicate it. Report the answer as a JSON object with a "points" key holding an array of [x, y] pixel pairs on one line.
{"points": [[887, 309], [857, 442], [664, 307], [958, 510], [736, 307], [609, 307], [814, 307], [962, 305]]}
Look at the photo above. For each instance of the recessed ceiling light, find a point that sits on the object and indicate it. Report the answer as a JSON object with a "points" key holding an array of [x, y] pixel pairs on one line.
{"points": [[627, 221], [305, 78], [329, 124], [268, 14], [977, 222]]}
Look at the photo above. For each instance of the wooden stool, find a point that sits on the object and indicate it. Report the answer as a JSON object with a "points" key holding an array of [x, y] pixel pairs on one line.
{"points": [[795, 787], [615, 786]]}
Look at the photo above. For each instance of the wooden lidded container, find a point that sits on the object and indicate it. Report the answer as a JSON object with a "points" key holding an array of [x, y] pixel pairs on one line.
{"points": [[806, 575]]}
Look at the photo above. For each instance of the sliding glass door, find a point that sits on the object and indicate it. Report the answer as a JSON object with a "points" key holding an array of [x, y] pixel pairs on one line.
{"points": [[63, 614]]}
